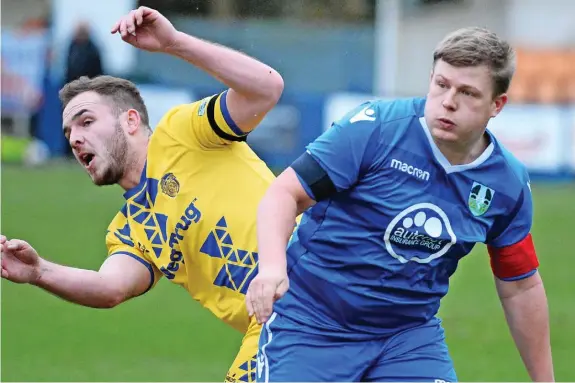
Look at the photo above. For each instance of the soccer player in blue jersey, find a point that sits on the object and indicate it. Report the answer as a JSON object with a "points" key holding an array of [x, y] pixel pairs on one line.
{"points": [[395, 194]]}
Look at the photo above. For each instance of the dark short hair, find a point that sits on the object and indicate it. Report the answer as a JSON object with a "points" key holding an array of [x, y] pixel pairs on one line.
{"points": [[475, 46], [122, 94]]}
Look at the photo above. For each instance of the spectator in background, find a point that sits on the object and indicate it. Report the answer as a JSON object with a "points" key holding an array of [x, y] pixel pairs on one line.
{"points": [[84, 59]]}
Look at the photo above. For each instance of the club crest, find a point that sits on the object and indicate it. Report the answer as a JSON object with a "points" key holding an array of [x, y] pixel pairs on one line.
{"points": [[480, 198], [170, 185]]}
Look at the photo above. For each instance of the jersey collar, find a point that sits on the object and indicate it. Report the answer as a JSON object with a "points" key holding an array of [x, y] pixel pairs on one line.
{"points": [[443, 160], [131, 192]]}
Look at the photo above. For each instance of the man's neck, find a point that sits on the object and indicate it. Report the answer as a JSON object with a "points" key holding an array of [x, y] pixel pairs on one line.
{"points": [[134, 169], [132, 176], [465, 153]]}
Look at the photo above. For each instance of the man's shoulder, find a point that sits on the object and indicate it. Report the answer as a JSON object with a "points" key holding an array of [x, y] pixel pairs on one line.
{"points": [[511, 166], [382, 112], [119, 219], [388, 110], [118, 230]]}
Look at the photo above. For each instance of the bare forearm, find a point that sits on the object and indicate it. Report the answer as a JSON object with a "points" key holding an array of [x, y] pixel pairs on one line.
{"points": [[84, 287], [276, 218], [244, 74], [528, 318]]}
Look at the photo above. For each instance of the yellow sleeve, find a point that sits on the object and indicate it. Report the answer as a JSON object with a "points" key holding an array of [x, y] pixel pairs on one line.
{"points": [[205, 124], [119, 242]]}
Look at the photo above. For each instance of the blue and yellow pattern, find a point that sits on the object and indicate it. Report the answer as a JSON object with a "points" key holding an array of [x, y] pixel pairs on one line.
{"points": [[192, 217], [240, 265]]}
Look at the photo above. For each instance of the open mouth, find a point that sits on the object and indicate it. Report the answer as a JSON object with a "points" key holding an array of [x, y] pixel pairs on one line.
{"points": [[87, 159]]}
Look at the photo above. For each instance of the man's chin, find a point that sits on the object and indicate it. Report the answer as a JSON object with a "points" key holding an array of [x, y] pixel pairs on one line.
{"points": [[98, 181], [102, 179], [444, 135]]}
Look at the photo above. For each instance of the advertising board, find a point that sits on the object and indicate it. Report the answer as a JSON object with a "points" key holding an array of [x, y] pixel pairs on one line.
{"points": [[535, 134]]}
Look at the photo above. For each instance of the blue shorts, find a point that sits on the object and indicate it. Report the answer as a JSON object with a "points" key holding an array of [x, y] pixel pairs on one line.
{"points": [[286, 354]]}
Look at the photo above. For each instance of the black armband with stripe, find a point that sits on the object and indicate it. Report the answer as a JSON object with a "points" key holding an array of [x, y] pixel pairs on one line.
{"points": [[214, 125], [315, 177]]}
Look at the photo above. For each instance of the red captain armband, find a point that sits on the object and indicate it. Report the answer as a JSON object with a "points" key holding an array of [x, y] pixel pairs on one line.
{"points": [[514, 262]]}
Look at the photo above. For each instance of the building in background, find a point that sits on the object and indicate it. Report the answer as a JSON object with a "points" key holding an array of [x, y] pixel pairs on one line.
{"points": [[333, 54]]}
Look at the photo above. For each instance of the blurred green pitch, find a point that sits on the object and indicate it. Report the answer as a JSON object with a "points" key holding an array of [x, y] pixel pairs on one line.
{"points": [[166, 336]]}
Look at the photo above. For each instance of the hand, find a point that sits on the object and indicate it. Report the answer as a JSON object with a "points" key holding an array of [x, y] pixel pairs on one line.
{"points": [[264, 290], [20, 262], [146, 29]]}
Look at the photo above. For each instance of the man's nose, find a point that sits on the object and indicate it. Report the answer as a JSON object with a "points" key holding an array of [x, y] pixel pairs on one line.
{"points": [[76, 139]]}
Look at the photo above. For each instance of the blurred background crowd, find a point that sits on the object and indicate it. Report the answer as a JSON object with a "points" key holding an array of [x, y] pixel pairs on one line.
{"points": [[332, 54]]}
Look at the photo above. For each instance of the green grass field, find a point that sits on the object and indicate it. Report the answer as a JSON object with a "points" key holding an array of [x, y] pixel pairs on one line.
{"points": [[166, 336]]}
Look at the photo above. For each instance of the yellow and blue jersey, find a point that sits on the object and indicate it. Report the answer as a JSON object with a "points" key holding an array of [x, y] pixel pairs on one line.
{"points": [[192, 217]]}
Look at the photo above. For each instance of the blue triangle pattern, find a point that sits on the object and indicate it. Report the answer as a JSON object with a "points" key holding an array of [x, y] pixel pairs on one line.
{"points": [[211, 247], [150, 221], [133, 209], [222, 222], [223, 280], [250, 274], [248, 377], [242, 254], [142, 217], [157, 239], [247, 258], [239, 275], [226, 251], [228, 240], [220, 233], [149, 233], [233, 257], [157, 251]]}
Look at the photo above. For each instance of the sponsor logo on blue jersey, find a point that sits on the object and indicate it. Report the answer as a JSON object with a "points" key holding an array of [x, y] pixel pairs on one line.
{"points": [[420, 233]]}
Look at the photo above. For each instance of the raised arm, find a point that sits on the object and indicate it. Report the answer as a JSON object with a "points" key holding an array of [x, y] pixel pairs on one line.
{"points": [[119, 278], [255, 88]]}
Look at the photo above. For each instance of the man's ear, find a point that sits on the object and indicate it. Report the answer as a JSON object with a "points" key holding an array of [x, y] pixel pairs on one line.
{"points": [[133, 121], [498, 103]]}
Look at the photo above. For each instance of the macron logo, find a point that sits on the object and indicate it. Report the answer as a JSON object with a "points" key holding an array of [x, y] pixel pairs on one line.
{"points": [[366, 114], [411, 170]]}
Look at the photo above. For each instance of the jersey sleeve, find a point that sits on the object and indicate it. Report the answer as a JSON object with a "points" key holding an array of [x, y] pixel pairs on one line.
{"points": [[203, 124], [341, 153], [120, 243], [512, 252]]}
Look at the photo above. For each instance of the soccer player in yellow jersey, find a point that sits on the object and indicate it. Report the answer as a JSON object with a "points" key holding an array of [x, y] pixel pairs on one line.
{"points": [[191, 187]]}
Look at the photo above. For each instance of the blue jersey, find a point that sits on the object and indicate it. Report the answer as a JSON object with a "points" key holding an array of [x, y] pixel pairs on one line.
{"points": [[375, 256]]}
